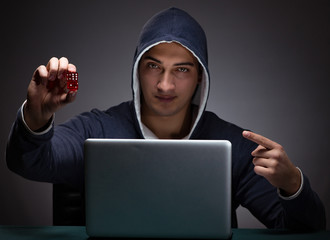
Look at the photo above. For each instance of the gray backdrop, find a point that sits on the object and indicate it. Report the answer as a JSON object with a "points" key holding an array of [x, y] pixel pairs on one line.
{"points": [[269, 64]]}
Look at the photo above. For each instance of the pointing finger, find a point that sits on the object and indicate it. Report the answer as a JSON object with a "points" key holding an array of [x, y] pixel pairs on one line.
{"points": [[263, 141]]}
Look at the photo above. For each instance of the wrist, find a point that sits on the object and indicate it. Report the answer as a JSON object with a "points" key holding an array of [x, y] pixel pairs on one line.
{"points": [[35, 121], [293, 185], [285, 195], [35, 129]]}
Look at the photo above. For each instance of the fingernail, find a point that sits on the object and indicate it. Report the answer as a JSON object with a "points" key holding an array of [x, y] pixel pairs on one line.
{"points": [[246, 133]]}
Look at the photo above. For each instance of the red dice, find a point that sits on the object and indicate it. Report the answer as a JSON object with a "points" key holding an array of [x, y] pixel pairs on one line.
{"points": [[72, 81]]}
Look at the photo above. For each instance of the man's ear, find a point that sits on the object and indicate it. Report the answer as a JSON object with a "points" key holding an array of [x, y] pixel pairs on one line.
{"points": [[200, 73]]}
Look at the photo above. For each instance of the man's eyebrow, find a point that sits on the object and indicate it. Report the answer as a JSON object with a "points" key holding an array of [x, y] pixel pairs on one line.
{"points": [[184, 63], [176, 64], [153, 59]]}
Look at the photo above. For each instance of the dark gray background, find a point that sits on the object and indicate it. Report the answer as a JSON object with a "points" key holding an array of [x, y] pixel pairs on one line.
{"points": [[269, 65]]}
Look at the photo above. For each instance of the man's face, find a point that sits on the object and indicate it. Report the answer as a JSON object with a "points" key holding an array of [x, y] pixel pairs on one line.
{"points": [[169, 75]]}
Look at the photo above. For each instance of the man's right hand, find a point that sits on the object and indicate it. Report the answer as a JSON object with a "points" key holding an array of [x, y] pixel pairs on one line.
{"points": [[47, 92]]}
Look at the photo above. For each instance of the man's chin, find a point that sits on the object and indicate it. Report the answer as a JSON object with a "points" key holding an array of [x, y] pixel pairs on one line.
{"points": [[164, 112]]}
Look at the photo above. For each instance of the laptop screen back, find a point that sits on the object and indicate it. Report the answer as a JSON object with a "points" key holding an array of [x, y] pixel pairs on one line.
{"points": [[158, 188]]}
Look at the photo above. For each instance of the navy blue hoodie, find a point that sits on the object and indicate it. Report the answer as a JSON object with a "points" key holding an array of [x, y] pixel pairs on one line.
{"points": [[56, 154]]}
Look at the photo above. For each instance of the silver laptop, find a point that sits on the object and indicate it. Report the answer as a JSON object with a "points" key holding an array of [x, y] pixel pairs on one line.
{"points": [[158, 188]]}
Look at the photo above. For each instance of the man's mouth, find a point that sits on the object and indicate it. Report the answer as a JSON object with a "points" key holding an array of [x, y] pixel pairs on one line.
{"points": [[165, 99]]}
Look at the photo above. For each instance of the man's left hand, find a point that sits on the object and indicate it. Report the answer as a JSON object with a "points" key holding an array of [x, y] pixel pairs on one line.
{"points": [[271, 161]]}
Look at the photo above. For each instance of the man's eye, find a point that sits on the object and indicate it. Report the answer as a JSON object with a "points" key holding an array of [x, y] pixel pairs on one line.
{"points": [[182, 69], [153, 66]]}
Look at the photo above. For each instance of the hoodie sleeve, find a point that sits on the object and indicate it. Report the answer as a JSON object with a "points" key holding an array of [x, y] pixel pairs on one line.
{"points": [[303, 212], [56, 155]]}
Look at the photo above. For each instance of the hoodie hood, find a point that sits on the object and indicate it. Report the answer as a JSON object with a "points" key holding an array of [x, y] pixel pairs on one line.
{"points": [[173, 25]]}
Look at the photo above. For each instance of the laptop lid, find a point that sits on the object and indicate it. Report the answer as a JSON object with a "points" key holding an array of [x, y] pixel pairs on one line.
{"points": [[158, 188]]}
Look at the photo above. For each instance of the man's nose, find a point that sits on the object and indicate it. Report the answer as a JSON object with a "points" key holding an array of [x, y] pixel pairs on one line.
{"points": [[166, 82]]}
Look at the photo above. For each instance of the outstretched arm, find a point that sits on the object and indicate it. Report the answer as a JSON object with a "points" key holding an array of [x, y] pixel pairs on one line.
{"points": [[303, 209], [271, 162], [47, 92]]}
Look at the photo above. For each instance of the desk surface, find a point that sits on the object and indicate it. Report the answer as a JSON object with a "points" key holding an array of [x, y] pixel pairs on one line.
{"points": [[79, 233]]}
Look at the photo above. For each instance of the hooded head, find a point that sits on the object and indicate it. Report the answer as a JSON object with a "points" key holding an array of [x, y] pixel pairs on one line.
{"points": [[173, 25]]}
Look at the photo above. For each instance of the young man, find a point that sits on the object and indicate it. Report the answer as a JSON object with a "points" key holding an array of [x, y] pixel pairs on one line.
{"points": [[170, 81]]}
